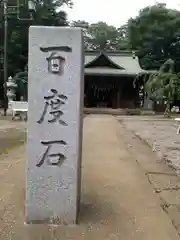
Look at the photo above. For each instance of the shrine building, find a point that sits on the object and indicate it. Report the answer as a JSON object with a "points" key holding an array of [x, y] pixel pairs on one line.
{"points": [[109, 79]]}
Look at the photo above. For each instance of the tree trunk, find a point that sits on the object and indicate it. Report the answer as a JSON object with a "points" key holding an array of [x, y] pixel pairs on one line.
{"points": [[167, 110], [5, 106], [5, 111]]}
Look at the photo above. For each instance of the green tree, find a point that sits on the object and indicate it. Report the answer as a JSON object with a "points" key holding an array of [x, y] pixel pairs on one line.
{"points": [[85, 26], [101, 36], [164, 85], [155, 34], [21, 79], [47, 13], [123, 38]]}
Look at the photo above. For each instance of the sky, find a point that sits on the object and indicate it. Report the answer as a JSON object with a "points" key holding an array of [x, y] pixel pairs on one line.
{"points": [[113, 12]]}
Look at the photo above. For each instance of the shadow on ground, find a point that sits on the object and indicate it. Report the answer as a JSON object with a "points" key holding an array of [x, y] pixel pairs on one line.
{"points": [[11, 138], [92, 209]]}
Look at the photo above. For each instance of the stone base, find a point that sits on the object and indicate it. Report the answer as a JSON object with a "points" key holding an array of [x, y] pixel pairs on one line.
{"points": [[9, 112]]}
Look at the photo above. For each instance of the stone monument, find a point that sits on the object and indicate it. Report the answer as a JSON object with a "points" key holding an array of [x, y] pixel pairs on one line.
{"points": [[148, 104], [11, 89], [55, 105], [11, 93]]}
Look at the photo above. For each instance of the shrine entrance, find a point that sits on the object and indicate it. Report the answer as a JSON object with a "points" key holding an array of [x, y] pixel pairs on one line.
{"points": [[100, 92], [100, 97], [109, 80], [109, 92]]}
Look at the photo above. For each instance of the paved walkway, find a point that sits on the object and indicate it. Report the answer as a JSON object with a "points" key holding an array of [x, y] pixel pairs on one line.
{"points": [[161, 135], [118, 202]]}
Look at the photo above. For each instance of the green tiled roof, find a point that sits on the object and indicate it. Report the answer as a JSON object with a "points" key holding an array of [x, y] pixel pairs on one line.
{"points": [[124, 59], [109, 71]]}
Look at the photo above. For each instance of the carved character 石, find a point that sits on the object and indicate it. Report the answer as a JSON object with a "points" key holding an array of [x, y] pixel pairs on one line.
{"points": [[49, 157]]}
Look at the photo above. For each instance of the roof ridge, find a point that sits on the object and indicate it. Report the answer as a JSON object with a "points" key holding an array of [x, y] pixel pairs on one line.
{"points": [[107, 57], [112, 53]]}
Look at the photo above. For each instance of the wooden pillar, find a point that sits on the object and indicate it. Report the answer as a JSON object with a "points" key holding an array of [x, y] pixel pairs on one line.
{"points": [[118, 95], [114, 99]]}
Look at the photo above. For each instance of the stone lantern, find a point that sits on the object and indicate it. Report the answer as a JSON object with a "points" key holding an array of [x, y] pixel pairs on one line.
{"points": [[11, 89], [11, 92]]}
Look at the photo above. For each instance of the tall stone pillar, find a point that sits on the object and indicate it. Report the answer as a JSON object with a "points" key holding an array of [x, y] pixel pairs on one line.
{"points": [[55, 102]]}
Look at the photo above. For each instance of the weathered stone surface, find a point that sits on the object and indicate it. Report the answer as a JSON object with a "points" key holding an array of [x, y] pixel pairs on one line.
{"points": [[54, 124], [161, 136], [174, 213], [148, 104], [171, 197], [161, 181]]}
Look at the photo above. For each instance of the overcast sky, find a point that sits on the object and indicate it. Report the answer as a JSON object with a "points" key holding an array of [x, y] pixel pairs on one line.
{"points": [[113, 12]]}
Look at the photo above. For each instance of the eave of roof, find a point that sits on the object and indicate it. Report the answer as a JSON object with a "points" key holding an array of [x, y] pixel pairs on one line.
{"points": [[110, 72], [112, 53], [123, 59]]}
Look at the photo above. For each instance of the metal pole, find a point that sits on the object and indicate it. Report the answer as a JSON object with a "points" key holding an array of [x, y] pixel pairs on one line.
{"points": [[5, 55]]}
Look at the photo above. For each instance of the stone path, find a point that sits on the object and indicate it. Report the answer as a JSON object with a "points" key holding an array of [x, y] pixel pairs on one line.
{"points": [[12, 134], [118, 201], [160, 135], [8, 124]]}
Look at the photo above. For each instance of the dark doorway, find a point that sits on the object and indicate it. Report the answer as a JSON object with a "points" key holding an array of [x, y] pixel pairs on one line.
{"points": [[99, 97], [110, 92], [100, 92]]}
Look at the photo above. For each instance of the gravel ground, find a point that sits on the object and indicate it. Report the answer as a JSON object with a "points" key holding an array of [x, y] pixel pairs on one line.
{"points": [[117, 199], [12, 134], [160, 135]]}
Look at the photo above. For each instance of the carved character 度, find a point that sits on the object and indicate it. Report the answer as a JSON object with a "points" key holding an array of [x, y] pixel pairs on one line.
{"points": [[52, 107]]}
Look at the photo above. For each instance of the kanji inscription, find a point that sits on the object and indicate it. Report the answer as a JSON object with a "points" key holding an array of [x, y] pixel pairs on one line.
{"points": [[52, 107], [52, 158]]}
